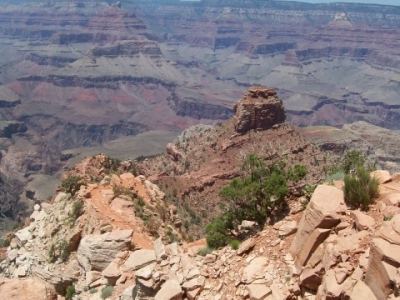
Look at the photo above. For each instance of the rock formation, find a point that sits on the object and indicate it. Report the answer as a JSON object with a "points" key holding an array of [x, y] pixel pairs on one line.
{"points": [[326, 252], [259, 109]]}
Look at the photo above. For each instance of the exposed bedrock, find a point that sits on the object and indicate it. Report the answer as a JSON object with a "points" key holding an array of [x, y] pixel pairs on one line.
{"points": [[196, 109], [127, 48], [111, 82], [56, 60], [65, 135], [259, 109]]}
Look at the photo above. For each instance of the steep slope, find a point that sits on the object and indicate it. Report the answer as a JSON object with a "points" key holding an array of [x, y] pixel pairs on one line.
{"points": [[203, 159]]}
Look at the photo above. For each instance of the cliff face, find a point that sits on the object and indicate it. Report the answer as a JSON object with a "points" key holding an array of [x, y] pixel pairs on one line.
{"points": [[306, 51], [260, 109]]}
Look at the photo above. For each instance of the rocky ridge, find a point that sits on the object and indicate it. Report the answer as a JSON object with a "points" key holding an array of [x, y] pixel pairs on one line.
{"points": [[202, 160], [119, 232], [326, 252]]}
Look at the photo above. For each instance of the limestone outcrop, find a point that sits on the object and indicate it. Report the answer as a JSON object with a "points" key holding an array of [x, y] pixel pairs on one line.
{"points": [[259, 109], [26, 289], [326, 251]]}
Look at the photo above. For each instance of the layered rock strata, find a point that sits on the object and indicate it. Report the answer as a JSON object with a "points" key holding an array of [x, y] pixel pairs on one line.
{"points": [[259, 109]]}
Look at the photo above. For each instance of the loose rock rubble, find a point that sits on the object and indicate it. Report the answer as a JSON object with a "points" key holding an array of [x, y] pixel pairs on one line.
{"points": [[325, 252]]}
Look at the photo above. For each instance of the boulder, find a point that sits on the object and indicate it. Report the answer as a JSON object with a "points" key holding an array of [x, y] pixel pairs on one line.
{"points": [[23, 236], [258, 291], [384, 258], [171, 290], [322, 214], [27, 289], [362, 292], [382, 176], [392, 199], [112, 272], [362, 221], [311, 278], [246, 246], [139, 259], [287, 228], [59, 281], [145, 272], [95, 252], [159, 249]]}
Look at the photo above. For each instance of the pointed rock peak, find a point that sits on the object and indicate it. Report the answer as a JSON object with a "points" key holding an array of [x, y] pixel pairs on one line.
{"points": [[259, 109]]}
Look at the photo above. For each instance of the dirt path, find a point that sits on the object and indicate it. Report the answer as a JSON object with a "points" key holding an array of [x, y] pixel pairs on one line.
{"points": [[98, 204]]}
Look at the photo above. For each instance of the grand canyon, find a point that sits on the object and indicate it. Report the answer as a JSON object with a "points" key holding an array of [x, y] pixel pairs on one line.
{"points": [[156, 84]]}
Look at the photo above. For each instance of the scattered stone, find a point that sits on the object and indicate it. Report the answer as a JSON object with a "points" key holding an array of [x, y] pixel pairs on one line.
{"points": [[170, 290], [288, 228], [246, 246], [254, 269], [362, 221], [139, 259], [159, 249], [258, 291]]}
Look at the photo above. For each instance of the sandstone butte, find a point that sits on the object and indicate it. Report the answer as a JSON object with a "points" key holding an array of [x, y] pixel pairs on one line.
{"points": [[322, 250]]}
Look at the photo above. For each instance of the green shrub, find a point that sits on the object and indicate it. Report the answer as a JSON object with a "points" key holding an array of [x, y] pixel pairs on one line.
{"points": [[93, 291], [360, 189], [77, 210], [235, 244], [106, 292], [121, 190], [217, 236], [63, 249], [6, 242], [204, 251], [70, 292], [352, 161], [72, 184]]}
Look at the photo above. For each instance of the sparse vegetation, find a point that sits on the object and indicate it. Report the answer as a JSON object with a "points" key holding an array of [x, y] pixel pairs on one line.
{"points": [[72, 184], [204, 251], [235, 244], [360, 188], [254, 197], [58, 250], [353, 160], [77, 210], [6, 242], [121, 190], [106, 292], [70, 292], [93, 291]]}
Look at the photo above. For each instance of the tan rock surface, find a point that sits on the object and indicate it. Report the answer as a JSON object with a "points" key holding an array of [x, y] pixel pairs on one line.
{"points": [[26, 289]]}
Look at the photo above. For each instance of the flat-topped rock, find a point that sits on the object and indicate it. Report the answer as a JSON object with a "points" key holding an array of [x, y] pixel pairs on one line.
{"points": [[259, 109]]}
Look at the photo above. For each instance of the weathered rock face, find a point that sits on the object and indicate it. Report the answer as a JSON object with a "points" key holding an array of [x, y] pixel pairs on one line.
{"points": [[260, 109], [321, 215], [95, 252], [384, 260], [26, 289]]}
